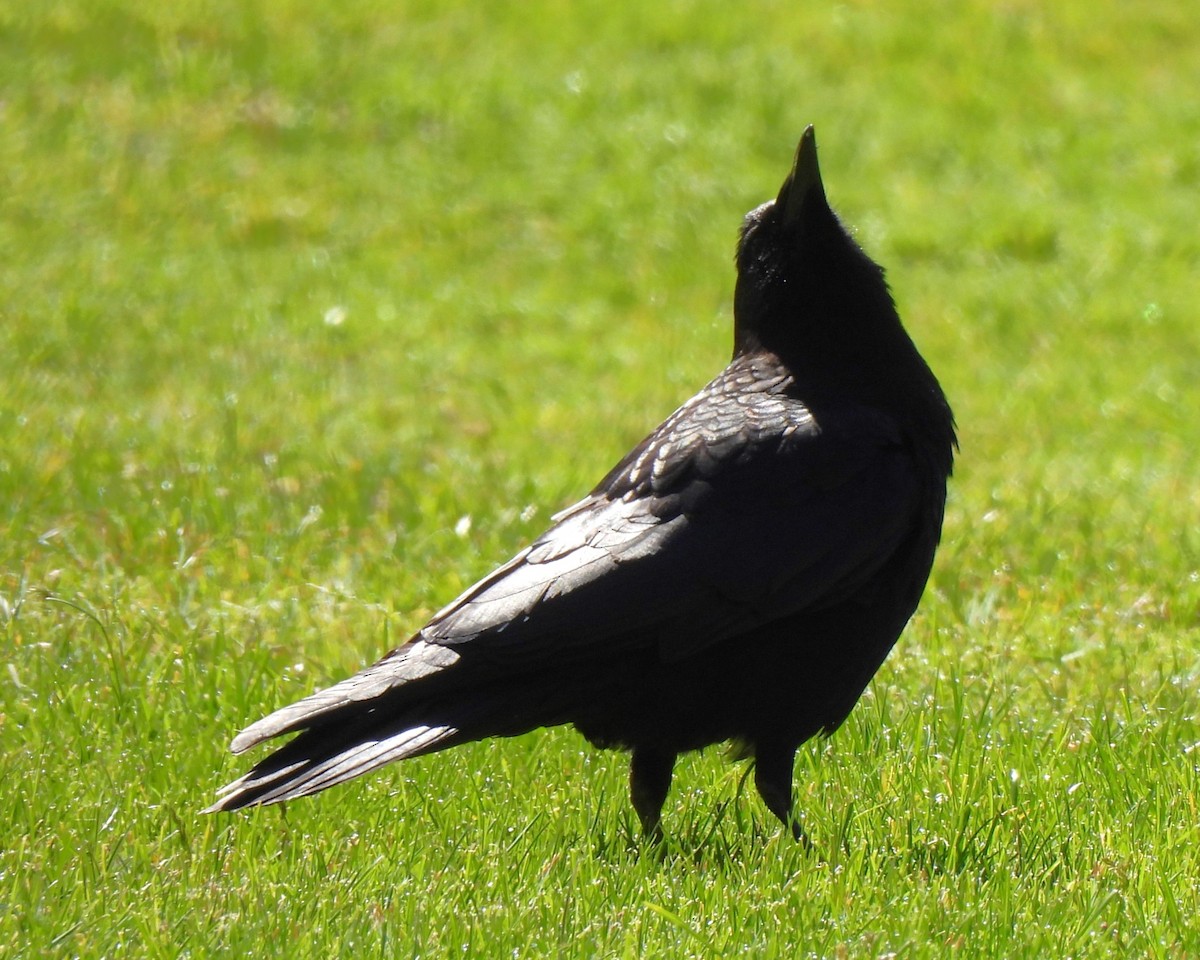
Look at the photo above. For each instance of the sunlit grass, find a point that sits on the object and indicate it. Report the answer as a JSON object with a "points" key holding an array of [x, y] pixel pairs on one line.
{"points": [[289, 292]]}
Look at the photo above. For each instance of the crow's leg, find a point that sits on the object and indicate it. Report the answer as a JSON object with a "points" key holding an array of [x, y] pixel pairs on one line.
{"points": [[649, 781], [773, 777]]}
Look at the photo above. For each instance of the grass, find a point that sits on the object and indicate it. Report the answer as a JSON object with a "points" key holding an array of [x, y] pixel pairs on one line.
{"points": [[291, 292]]}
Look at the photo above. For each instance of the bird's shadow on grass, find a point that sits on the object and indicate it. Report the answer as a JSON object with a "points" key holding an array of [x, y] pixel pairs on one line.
{"points": [[728, 835]]}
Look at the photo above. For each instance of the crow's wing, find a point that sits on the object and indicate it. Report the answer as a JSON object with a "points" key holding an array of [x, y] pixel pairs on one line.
{"points": [[740, 509]]}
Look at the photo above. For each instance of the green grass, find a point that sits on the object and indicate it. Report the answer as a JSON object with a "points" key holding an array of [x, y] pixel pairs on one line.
{"points": [[289, 290]]}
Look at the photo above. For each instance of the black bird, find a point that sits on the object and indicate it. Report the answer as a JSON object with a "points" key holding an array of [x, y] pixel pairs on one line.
{"points": [[739, 576]]}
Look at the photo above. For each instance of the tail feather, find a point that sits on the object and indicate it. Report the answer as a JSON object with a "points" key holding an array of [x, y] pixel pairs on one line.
{"points": [[322, 758], [416, 660], [342, 736]]}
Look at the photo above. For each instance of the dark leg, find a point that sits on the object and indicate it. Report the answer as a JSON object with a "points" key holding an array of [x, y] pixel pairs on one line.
{"points": [[773, 777], [649, 781]]}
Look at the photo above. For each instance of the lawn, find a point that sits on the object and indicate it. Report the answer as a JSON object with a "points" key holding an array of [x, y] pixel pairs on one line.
{"points": [[311, 315]]}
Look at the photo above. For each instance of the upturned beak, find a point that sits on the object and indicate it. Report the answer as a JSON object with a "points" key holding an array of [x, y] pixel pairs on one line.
{"points": [[804, 178]]}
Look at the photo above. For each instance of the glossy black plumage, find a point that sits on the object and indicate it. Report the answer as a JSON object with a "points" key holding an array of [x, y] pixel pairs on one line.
{"points": [[740, 575]]}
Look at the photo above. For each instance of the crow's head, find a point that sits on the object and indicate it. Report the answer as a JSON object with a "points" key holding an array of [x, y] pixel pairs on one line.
{"points": [[804, 287]]}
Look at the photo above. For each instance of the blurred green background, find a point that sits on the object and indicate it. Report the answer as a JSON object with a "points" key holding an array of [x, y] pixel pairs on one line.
{"points": [[311, 315]]}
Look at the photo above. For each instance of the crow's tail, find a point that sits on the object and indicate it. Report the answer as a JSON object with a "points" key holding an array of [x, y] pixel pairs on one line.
{"points": [[417, 700], [331, 754]]}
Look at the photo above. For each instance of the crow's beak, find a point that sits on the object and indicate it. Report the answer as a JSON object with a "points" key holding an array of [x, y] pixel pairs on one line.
{"points": [[802, 181]]}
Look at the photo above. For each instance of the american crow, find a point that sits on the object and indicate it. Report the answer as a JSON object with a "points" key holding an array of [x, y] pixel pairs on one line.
{"points": [[740, 575]]}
